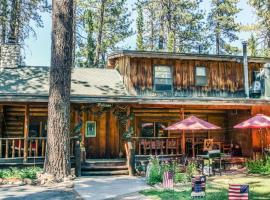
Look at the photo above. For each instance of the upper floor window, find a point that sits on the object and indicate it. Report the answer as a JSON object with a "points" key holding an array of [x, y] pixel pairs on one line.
{"points": [[162, 78], [200, 76]]}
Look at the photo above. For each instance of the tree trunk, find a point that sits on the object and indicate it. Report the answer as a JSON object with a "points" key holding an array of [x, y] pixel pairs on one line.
{"points": [[14, 21], [217, 43], [57, 160], [3, 25], [100, 32]]}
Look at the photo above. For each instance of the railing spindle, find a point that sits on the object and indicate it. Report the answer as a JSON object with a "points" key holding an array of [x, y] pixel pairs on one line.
{"points": [[140, 146], [36, 143], [30, 148], [43, 148], [20, 148], [6, 149], [13, 148], [144, 146]]}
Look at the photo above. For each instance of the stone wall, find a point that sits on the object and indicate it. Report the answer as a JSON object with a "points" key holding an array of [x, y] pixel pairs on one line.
{"points": [[9, 55]]}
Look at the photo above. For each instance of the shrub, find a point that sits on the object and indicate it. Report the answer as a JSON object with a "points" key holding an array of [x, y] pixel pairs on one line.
{"points": [[259, 166], [191, 170], [13, 172], [155, 172]]}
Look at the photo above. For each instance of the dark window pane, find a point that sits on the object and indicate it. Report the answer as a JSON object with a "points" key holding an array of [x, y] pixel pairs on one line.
{"points": [[147, 129]]}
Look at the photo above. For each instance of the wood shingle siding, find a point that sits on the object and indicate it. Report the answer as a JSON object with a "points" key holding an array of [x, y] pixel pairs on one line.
{"points": [[222, 76]]}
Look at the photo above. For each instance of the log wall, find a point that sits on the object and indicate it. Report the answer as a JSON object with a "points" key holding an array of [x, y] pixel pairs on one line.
{"points": [[222, 75]]}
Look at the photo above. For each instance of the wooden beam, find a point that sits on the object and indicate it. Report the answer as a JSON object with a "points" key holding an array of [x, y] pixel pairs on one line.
{"points": [[26, 132]]}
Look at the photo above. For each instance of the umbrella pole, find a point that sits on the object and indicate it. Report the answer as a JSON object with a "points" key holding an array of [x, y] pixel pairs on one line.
{"points": [[193, 150], [260, 130]]}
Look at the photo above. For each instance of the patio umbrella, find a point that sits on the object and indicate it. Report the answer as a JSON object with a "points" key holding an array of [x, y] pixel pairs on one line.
{"points": [[259, 121], [192, 123]]}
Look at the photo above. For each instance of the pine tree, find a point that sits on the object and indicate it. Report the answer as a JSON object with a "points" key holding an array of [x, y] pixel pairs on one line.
{"points": [[252, 46], [171, 42], [223, 25], [111, 24], [15, 17], [57, 159], [172, 24], [262, 8], [140, 27]]}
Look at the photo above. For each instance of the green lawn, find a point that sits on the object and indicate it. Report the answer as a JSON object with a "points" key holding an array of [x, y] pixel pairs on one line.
{"points": [[217, 188]]}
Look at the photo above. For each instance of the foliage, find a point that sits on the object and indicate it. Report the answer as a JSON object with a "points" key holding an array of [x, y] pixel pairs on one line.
{"points": [[259, 166], [223, 25], [252, 46], [28, 172], [173, 25], [262, 8], [140, 27], [157, 169], [108, 24], [127, 135], [155, 173], [15, 18], [191, 169]]}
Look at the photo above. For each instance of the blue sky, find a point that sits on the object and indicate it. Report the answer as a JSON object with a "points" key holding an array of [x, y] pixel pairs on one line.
{"points": [[37, 50]]}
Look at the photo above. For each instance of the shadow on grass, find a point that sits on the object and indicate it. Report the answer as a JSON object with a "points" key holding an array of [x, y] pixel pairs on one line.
{"points": [[211, 194]]}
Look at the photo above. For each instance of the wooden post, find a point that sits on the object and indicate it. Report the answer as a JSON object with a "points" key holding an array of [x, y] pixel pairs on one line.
{"points": [[183, 145], [26, 132], [77, 157], [130, 158]]}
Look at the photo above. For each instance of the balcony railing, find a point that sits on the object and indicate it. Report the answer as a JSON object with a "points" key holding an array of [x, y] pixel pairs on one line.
{"points": [[156, 145], [36, 147]]}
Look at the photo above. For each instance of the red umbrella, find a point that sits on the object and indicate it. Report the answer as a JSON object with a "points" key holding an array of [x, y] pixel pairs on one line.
{"points": [[192, 123], [259, 121]]}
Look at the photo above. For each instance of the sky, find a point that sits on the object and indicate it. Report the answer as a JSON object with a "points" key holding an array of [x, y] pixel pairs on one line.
{"points": [[37, 49]]}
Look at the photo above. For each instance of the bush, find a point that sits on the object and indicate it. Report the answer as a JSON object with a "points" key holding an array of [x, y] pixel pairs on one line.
{"points": [[155, 173], [13, 172], [156, 170], [259, 166]]}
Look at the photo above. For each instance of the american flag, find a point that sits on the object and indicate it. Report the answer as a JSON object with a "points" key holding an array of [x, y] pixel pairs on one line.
{"points": [[168, 180], [238, 192]]}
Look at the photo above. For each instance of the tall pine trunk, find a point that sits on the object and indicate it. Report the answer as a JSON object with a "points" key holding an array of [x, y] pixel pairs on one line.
{"points": [[217, 43], [3, 25], [14, 32], [100, 32], [57, 160]]}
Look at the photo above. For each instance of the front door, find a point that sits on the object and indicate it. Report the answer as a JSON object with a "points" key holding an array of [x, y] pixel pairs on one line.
{"points": [[101, 136]]}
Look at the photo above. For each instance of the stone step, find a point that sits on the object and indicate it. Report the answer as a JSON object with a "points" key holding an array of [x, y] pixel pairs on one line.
{"points": [[104, 173], [103, 168], [105, 162]]}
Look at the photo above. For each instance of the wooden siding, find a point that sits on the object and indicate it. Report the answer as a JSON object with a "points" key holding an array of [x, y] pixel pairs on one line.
{"points": [[222, 75]]}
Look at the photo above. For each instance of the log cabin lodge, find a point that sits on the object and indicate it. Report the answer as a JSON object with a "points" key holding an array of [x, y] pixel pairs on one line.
{"points": [[137, 94]]}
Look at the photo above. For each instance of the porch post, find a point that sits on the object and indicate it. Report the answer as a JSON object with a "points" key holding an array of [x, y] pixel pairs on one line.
{"points": [[26, 132], [183, 145]]}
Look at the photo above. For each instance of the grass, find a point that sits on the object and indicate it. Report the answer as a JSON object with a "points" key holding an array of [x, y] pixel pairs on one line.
{"points": [[217, 188]]}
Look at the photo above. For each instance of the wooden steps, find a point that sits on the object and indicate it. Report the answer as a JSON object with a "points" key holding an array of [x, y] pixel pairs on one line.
{"points": [[104, 167]]}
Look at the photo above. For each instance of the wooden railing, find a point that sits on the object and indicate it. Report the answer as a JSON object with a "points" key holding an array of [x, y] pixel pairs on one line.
{"points": [[36, 147], [156, 145]]}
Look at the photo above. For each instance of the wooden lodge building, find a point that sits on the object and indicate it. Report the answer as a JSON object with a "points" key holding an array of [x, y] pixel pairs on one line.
{"points": [[136, 96]]}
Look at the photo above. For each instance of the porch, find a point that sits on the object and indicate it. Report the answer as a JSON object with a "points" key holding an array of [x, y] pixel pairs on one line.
{"points": [[27, 151]]}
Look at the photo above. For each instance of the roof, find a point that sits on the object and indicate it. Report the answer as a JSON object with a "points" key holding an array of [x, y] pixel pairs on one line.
{"points": [[183, 56], [85, 82]]}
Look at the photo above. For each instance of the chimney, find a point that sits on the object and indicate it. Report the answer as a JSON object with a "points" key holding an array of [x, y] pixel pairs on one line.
{"points": [[9, 55], [245, 63]]}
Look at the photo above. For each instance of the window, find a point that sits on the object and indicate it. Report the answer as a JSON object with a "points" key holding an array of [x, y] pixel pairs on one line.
{"points": [[200, 76], [153, 129], [162, 78]]}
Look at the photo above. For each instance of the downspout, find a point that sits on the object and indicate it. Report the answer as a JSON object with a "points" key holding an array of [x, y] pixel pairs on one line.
{"points": [[245, 63]]}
